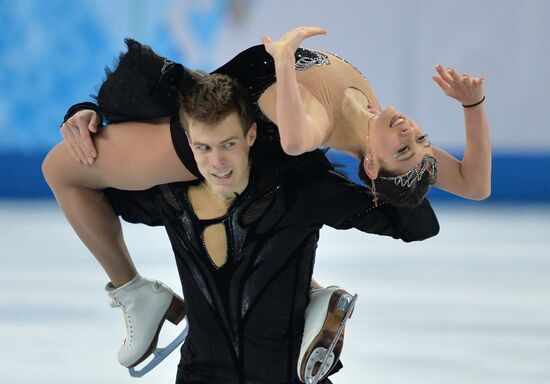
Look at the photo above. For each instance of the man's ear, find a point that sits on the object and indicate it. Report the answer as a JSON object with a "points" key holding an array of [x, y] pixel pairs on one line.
{"points": [[186, 129], [370, 167], [251, 135]]}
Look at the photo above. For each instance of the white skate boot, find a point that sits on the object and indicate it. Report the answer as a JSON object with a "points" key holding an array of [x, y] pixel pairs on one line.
{"points": [[146, 304], [325, 318]]}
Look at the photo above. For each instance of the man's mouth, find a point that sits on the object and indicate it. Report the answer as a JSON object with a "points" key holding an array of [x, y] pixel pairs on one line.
{"points": [[222, 175]]}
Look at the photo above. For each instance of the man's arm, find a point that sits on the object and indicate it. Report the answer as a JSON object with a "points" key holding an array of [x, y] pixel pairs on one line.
{"points": [[335, 201]]}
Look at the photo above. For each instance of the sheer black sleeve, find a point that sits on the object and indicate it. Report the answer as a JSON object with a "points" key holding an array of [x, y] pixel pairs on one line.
{"points": [[335, 201], [81, 107]]}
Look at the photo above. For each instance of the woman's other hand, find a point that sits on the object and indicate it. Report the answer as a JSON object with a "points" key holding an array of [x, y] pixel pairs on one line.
{"points": [[290, 41], [76, 132], [466, 89]]}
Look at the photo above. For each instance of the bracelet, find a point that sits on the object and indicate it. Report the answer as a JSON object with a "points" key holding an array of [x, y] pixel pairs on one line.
{"points": [[473, 105]]}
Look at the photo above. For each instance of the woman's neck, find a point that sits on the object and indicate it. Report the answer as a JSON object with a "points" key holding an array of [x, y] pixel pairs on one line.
{"points": [[350, 130]]}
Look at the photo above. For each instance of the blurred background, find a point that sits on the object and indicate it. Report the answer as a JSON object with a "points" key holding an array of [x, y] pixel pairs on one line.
{"points": [[471, 305]]}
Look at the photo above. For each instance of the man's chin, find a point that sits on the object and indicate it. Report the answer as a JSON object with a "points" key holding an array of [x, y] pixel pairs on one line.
{"points": [[220, 187]]}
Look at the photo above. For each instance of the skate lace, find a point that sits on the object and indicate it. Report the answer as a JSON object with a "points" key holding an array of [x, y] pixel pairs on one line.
{"points": [[128, 341]]}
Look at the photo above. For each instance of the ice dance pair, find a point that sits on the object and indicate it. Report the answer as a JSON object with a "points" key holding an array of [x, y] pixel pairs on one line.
{"points": [[251, 289]]}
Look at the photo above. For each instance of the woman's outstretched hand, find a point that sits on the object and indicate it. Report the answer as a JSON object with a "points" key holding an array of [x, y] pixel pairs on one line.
{"points": [[466, 89], [290, 41], [76, 132]]}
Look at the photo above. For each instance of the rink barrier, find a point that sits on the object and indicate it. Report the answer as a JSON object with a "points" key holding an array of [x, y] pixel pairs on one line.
{"points": [[516, 177]]}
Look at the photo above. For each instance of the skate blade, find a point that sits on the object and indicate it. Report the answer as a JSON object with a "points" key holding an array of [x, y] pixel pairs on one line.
{"points": [[324, 358], [159, 355]]}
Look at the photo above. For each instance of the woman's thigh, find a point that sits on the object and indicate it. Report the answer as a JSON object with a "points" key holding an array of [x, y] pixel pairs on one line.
{"points": [[131, 156]]}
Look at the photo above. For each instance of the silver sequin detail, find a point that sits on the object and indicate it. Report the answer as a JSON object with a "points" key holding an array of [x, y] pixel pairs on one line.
{"points": [[311, 59], [427, 164]]}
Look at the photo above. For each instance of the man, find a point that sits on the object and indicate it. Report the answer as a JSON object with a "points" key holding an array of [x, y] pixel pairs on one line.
{"points": [[245, 239]]}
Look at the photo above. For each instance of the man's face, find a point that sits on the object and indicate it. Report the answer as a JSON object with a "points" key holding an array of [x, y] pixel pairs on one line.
{"points": [[221, 151]]}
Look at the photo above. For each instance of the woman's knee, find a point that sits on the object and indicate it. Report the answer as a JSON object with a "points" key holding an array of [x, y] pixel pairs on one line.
{"points": [[58, 167], [51, 167]]}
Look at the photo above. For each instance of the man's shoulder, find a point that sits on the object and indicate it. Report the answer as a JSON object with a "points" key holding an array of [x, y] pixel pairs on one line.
{"points": [[307, 174]]}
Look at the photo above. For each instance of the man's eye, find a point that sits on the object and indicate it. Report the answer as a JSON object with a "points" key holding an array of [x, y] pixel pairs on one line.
{"points": [[228, 145]]}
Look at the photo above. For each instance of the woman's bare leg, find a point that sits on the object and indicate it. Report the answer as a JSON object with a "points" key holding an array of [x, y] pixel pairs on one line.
{"points": [[131, 156]]}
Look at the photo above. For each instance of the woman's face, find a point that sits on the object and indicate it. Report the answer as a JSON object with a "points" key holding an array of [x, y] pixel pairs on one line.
{"points": [[396, 142]]}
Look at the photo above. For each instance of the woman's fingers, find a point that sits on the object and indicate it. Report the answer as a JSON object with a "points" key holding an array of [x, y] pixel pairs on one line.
{"points": [[442, 83], [69, 145], [84, 151], [455, 75], [444, 73], [69, 136], [468, 81], [87, 142], [311, 31], [94, 123], [296, 36], [300, 34], [462, 87], [92, 128]]}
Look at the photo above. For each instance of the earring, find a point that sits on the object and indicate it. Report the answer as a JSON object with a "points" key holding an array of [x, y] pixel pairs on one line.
{"points": [[374, 194]]}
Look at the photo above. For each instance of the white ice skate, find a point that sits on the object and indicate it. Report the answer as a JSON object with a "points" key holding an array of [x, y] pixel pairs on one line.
{"points": [[325, 318], [146, 304]]}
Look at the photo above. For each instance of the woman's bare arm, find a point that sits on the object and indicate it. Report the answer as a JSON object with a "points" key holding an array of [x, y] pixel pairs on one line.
{"points": [[303, 122], [471, 176]]}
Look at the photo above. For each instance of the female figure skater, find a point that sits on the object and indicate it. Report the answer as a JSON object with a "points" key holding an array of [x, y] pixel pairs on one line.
{"points": [[318, 99]]}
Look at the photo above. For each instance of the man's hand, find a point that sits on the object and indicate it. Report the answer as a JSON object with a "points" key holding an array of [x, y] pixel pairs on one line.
{"points": [[464, 88], [76, 133], [289, 43]]}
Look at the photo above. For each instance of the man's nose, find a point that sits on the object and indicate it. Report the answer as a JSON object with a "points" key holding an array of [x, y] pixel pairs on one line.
{"points": [[218, 158]]}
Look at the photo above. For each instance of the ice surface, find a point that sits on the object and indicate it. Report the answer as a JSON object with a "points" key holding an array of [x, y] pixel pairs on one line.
{"points": [[469, 306]]}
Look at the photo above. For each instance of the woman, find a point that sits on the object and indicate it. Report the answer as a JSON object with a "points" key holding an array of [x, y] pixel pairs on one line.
{"points": [[317, 99]]}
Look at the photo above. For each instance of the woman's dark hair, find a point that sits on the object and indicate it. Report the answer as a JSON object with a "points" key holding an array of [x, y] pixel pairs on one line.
{"points": [[397, 194]]}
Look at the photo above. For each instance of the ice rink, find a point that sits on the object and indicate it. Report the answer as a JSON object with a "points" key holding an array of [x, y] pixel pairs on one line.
{"points": [[469, 306]]}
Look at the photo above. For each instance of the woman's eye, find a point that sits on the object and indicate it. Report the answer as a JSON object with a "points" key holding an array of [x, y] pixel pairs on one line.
{"points": [[203, 147], [401, 151], [422, 138]]}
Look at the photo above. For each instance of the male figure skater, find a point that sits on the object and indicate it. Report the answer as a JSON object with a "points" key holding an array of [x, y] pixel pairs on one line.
{"points": [[245, 236]]}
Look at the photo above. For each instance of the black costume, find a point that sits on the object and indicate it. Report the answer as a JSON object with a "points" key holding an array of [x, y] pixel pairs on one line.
{"points": [[246, 318]]}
